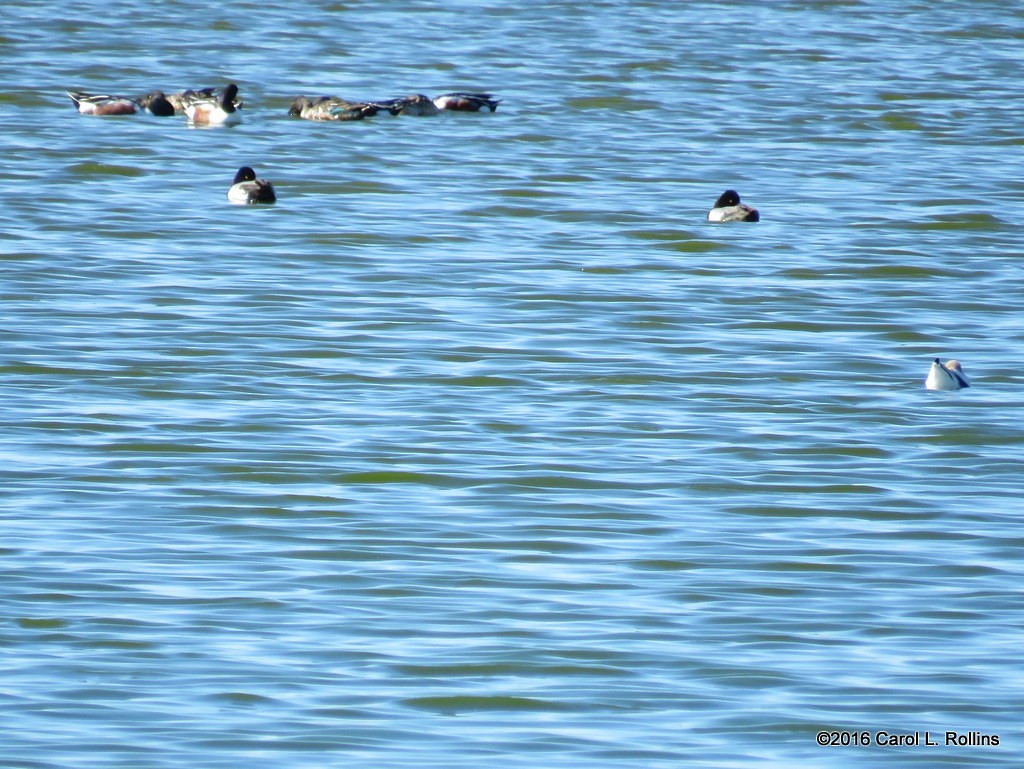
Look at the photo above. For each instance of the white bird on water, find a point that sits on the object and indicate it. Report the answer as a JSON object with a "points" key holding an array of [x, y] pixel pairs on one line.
{"points": [[946, 376]]}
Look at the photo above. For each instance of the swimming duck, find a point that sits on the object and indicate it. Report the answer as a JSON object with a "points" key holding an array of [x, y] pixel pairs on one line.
{"points": [[334, 108], [458, 101], [208, 107], [729, 209], [466, 102], [246, 189], [156, 103], [946, 376], [417, 104], [180, 99], [102, 104]]}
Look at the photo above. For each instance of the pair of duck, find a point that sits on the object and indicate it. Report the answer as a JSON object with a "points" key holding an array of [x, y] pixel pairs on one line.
{"points": [[247, 189], [336, 108], [203, 106]]}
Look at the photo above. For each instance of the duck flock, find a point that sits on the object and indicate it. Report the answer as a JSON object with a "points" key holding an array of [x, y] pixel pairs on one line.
{"points": [[222, 106]]}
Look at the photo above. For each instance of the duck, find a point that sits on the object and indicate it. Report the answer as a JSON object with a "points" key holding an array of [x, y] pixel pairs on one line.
{"points": [[946, 376], [460, 101], [246, 189], [102, 104], [209, 107], [335, 108], [180, 99], [729, 209], [156, 103], [418, 104]]}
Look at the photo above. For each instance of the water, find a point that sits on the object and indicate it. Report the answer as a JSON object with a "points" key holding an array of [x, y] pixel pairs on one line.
{"points": [[482, 445]]}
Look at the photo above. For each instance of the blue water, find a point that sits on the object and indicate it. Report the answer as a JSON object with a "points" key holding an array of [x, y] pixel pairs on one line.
{"points": [[481, 445]]}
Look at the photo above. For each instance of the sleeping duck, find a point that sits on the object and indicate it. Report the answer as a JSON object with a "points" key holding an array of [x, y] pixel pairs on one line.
{"points": [[466, 102], [246, 189], [729, 209], [209, 107], [335, 108], [102, 104]]}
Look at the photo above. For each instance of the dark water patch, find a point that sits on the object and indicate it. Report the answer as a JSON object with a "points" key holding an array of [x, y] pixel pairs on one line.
{"points": [[839, 452], [917, 95], [524, 193], [534, 138], [564, 178], [812, 509], [387, 477], [483, 381], [911, 272], [803, 566], [901, 121], [963, 221], [240, 698], [489, 670], [463, 704], [42, 623], [616, 103], [161, 448], [672, 236], [695, 246], [950, 615], [119, 644], [48, 597], [504, 212], [88, 169]]}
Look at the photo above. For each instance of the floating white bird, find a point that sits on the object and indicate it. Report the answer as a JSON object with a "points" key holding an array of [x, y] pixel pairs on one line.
{"points": [[946, 376]]}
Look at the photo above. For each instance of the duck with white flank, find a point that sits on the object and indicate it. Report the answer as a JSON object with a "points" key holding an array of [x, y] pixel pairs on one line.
{"points": [[946, 376], [182, 98], [420, 105], [246, 189], [207, 107], [466, 102], [729, 209], [102, 104]]}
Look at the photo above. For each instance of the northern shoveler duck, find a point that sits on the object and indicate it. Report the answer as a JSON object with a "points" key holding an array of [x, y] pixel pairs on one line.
{"points": [[156, 103], [729, 209], [246, 189], [466, 102], [946, 376], [335, 108], [208, 107], [421, 105], [180, 99], [102, 104]]}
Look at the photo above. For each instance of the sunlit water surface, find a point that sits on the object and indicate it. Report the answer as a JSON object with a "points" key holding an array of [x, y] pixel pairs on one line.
{"points": [[482, 447]]}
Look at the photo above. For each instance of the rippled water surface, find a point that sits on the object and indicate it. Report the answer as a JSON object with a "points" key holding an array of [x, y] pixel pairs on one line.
{"points": [[482, 446]]}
